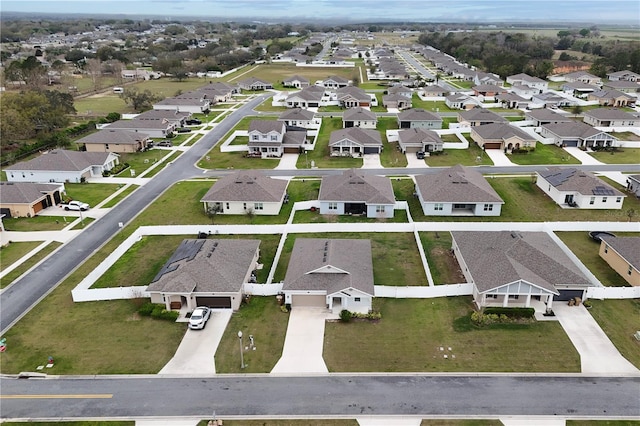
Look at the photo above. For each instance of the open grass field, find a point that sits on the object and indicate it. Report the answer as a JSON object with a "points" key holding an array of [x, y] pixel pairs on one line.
{"points": [[544, 154], [411, 332], [276, 72], [25, 266], [391, 155], [626, 156], [320, 154], [619, 320], [442, 263], [466, 157], [90, 193], [101, 105], [396, 261], [83, 423], [587, 251]]}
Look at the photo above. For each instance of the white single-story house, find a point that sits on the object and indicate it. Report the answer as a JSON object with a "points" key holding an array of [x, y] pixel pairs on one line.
{"points": [[354, 141], [359, 117]]}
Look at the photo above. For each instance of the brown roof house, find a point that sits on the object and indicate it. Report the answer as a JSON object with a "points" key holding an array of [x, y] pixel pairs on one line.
{"points": [[517, 268], [614, 98], [114, 141], [60, 165], [354, 192], [355, 142], [246, 191], [457, 191], [206, 272], [26, 199], [396, 101], [330, 273], [501, 136], [623, 255], [573, 188], [419, 139]]}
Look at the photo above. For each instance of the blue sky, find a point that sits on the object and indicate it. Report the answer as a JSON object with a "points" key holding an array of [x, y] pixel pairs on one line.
{"points": [[596, 11]]}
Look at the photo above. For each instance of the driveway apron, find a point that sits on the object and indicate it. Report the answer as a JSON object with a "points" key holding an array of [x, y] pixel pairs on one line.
{"points": [[498, 157]]}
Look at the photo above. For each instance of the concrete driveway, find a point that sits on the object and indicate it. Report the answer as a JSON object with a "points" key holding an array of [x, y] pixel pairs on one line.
{"points": [[499, 158], [597, 353], [302, 352], [287, 162], [581, 155], [371, 161], [196, 352], [413, 162]]}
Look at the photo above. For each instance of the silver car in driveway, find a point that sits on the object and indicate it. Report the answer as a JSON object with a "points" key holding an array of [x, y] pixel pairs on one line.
{"points": [[199, 318]]}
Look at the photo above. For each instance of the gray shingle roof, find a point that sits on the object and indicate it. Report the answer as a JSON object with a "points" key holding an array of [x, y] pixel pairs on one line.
{"points": [[63, 160], [311, 93], [297, 114], [457, 184], [583, 182], [205, 266], [352, 92], [24, 192], [572, 129], [339, 264], [266, 126], [359, 114], [247, 185], [545, 114], [627, 247], [366, 137], [481, 114], [501, 131], [296, 77], [355, 186], [122, 137], [417, 114], [418, 135], [610, 113], [498, 258], [161, 114]]}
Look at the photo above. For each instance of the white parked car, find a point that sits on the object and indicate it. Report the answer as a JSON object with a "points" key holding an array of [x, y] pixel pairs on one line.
{"points": [[76, 205], [199, 318]]}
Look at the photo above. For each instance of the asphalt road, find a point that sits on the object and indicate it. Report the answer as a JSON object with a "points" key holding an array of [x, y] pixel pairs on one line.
{"points": [[408, 56], [321, 396]]}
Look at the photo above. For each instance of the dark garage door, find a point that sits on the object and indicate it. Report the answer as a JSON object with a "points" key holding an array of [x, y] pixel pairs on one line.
{"points": [[492, 145], [371, 150], [6, 213], [570, 143], [214, 302], [566, 295]]}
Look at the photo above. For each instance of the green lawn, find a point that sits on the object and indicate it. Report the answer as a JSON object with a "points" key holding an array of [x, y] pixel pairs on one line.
{"points": [[14, 251], [466, 157], [36, 223], [587, 251], [101, 105], [90, 193], [121, 196], [307, 216], [544, 154], [320, 155], [84, 423], [396, 261], [141, 161], [234, 160], [624, 156], [262, 318], [391, 155], [432, 106], [619, 320], [28, 264], [411, 332], [289, 422], [442, 263]]}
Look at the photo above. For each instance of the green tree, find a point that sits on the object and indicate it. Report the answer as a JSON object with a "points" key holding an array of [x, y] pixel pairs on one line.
{"points": [[138, 100]]}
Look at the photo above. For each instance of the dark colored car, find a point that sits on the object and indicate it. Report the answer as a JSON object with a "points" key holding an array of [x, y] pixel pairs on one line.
{"points": [[164, 143], [183, 130], [193, 121], [420, 155]]}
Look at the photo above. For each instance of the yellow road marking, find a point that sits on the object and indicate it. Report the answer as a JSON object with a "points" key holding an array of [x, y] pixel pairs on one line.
{"points": [[89, 396]]}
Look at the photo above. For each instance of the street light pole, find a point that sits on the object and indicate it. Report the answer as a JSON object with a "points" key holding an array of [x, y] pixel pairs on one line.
{"points": [[241, 354]]}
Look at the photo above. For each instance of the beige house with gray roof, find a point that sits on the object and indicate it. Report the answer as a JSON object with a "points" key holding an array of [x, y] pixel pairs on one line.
{"points": [[610, 117], [457, 191], [573, 188], [330, 273], [419, 118], [246, 191], [114, 141], [354, 192], [26, 199], [206, 272], [516, 268], [501, 136], [418, 139], [623, 255], [478, 117]]}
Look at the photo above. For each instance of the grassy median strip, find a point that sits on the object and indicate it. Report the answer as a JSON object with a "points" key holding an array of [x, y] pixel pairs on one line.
{"points": [[29, 263], [121, 196], [14, 251]]}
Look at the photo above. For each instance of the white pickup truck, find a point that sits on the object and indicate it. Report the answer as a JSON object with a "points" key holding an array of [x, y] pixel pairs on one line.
{"points": [[75, 205]]}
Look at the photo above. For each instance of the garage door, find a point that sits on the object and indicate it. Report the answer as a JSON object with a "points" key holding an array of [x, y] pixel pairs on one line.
{"points": [[214, 302], [292, 150], [412, 149], [492, 145], [309, 300], [567, 295], [371, 150], [570, 143]]}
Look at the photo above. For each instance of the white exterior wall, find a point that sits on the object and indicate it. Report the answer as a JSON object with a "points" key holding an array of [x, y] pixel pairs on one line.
{"points": [[426, 125], [612, 123], [429, 209], [364, 124], [583, 201], [48, 176], [238, 207], [480, 211], [194, 109], [324, 208], [372, 213]]}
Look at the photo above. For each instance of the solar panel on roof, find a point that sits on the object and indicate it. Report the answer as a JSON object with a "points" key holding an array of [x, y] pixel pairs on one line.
{"points": [[602, 190], [558, 178]]}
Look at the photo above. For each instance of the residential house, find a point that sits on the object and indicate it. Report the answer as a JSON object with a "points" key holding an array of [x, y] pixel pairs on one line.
{"points": [[151, 128], [354, 192], [583, 77], [419, 139], [400, 90], [330, 273], [524, 91], [396, 101], [479, 116], [162, 115], [296, 81], [119, 141], [355, 141], [614, 98], [271, 139], [206, 272], [193, 102], [433, 91], [551, 100], [335, 82], [512, 100], [27, 199], [484, 78], [579, 89], [624, 86], [253, 83], [461, 101], [309, 97], [488, 90], [573, 188], [517, 269], [219, 91], [351, 96], [545, 116], [610, 117], [577, 134], [299, 118], [359, 117], [61, 165], [457, 191], [527, 80], [246, 191], [501, 136], [623, 255], [633, 184], [418, 118], [625, 75]]}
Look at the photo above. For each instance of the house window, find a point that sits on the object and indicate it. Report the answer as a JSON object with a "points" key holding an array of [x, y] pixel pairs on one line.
{"points": [[629, 270], [618, 199], [488, 207], [604, 199], [592, 200], [274, 138], [356, 299], [106, 146], [606, 248], [380, 209], [273, 149], [492, 296], [333, 206], [513, 296], [244, 206], [258, 206], [255, 137], [438, 206], [227, 206]]}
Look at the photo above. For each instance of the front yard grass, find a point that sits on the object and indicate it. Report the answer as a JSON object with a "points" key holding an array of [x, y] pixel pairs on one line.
{"points": [[14, 251], [308, 216], [215, 159], [26, 265], [121, 196], [544, 154], [396, 261], [167, 160], [320, 154], [624, 156], [90, 193], [412, 331], [141, 161], [466, 157], [619, 320], [262, 318], [288, 422], [391, 155], [36, 223], [587, 251]]}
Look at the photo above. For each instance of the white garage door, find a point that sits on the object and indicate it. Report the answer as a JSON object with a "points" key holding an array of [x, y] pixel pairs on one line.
{"points": [[309, 300]]}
